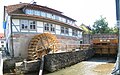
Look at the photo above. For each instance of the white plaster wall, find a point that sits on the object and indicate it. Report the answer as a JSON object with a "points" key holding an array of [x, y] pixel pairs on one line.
{"points": [[52, 32], [40, 27], [40, 30], [24, 30], [70, 32], [16, 21], [58, 29], [80, 34], [39, 24], [16, 30], [32, 31]]}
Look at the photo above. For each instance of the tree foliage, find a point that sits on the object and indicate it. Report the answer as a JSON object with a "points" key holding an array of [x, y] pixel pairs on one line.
{"points": [[100, 26], [113, 30]]}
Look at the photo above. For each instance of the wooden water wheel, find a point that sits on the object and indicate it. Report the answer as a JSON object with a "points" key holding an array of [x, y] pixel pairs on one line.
{"points": [[42, 44]]}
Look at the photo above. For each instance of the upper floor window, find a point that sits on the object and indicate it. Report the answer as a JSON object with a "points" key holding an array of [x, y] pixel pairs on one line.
{"points": [[64, 20], [52, 27], [29, 11], [43, 14], [49, 15], [32, 25], [57, 17], [36, 12], [46, 27], [74, 32], [64, 30], [53, 16], [27, 25], [24, 24], [49, 27]]}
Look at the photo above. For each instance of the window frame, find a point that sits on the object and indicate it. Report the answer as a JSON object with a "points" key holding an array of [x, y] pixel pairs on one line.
{"points": [[34, 28], [67, 30], [27, 23], [74, 32], [49, 27], [49, 15], [43, 14], [22, 27], [62, 30]]}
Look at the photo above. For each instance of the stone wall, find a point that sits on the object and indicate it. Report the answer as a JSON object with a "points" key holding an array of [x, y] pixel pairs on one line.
{"points": [[21, 42], [53, 62], [57, 61]]}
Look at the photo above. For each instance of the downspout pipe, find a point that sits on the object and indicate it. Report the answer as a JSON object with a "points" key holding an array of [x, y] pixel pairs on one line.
{"points": [[116, 71], [12, 49]]}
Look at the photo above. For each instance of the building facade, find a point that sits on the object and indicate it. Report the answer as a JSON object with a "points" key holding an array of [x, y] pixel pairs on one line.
{"points": [[2, 42], [24, 20]]}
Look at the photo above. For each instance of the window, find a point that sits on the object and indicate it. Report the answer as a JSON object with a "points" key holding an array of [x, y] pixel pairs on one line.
{"points": [[69, 21], [53, 16], [27, 25], [52, 26], [29, 11], [49, 27], [64, 20], [43, 14], [57, 17], [32, 25], [24, 24], [2, 45], [36, 12], [2, 41], [32, 12], [64, 30], [49, 15], [74, 32], [60, 19]]}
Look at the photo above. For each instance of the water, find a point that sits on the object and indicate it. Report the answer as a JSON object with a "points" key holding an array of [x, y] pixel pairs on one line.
{"points": [[94, 66]]}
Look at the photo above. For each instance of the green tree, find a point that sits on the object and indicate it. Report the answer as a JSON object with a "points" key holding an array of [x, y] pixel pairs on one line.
{"points": [[100, 26], [113, 30]]}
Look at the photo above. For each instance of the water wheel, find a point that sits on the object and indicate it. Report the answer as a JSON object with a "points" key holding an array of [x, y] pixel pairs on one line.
{"points": [[42, 44]]}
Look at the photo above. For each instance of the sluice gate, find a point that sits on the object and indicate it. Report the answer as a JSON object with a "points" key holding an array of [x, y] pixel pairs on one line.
{"points": [[105, 44]]}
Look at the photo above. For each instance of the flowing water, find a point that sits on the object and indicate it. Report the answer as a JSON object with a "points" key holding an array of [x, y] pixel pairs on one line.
{"points": [[94, 66]]}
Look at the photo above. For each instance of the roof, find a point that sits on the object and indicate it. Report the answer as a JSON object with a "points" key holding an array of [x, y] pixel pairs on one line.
{"points": [[88, 27], [13, 8]]}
